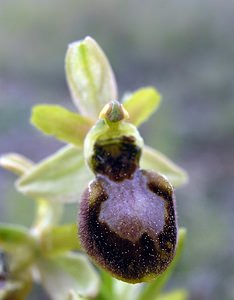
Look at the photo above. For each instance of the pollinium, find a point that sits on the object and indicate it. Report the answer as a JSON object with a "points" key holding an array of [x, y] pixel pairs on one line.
{"points": [[127, 220]]}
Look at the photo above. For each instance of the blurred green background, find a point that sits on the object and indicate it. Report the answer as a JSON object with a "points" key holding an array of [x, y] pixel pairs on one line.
{"points": [[186, 50]]}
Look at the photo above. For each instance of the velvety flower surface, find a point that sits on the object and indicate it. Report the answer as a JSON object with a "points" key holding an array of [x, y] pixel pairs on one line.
{"points": [[127, 216]]}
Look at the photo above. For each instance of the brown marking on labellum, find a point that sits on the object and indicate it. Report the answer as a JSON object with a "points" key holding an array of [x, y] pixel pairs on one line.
{"points": [[129, 227], [158, 184], [116, 158]]}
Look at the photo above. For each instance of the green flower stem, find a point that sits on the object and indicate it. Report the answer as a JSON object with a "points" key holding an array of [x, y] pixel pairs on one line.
{"points": [[48, 214], [57, 240], [106, 291]]}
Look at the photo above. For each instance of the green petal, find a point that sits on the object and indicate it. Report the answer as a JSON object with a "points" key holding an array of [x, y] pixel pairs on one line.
{"points": [[72, 271], [155, 160], [63, 176], [142, 104], [89, 76], [61, 123], [175, 295], [55, 240], [152, 290], [14, 235], [15, 163]]}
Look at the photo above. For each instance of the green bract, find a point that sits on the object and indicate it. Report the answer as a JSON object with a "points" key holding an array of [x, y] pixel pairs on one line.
{"points": [[54, 249]]}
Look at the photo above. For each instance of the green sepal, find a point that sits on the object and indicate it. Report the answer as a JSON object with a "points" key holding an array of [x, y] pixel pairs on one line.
{"points": [[175, 295], [155, 160], [152, 290], [62, 176], [142, 104], [15, 163], [12, 236], [71, 271], [63, 124], [89, 76]]}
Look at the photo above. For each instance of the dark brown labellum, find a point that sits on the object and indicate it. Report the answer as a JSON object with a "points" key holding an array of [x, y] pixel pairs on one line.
{"points": [[127, 215]]}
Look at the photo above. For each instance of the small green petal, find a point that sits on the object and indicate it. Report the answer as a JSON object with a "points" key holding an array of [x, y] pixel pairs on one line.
{"points": [[61, 176], [72, 271], [89, 76], [175, 295], [60, 122], [142, 104], [15, 163], [152, 290], [155, 160]]}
